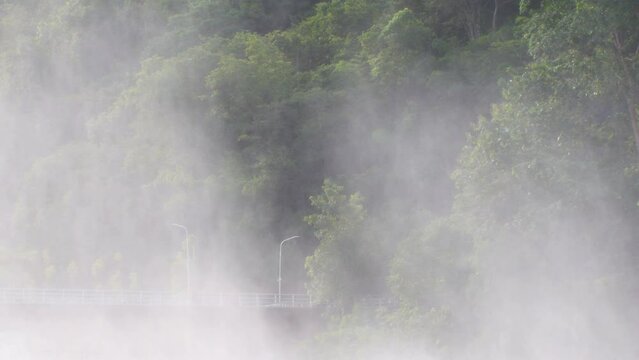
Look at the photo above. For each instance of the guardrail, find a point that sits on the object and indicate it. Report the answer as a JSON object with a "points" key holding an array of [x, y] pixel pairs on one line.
{"points": [[26, 296]]}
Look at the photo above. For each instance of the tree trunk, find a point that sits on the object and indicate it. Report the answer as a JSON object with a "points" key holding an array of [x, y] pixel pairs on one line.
{"points": [[472, 17], [498, 5], [495, 15], [630, 88], [632, 111]]}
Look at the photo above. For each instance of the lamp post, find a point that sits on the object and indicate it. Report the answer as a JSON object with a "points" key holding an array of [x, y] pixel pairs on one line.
{"points": [[188, 260], [279, 276]]}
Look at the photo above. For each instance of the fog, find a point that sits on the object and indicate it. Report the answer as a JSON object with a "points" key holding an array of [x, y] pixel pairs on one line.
{"points": [[446, 192]]}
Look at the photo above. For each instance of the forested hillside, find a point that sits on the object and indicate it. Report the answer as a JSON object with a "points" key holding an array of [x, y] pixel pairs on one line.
{"points": [[474, 160]]}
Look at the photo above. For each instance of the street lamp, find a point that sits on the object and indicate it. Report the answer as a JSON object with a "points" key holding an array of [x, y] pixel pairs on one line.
{"points": [[188, 259], [279, 276]]}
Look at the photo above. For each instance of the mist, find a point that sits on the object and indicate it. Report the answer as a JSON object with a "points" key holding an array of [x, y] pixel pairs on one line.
{"points": [[344, 179]]}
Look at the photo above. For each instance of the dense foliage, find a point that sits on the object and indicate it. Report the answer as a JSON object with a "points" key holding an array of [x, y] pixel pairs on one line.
{"points": [[459, 157]]}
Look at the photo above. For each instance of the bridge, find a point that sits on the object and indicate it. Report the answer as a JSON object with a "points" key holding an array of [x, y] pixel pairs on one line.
{"points": [[98, 297], [47, 323], [161, 298]]}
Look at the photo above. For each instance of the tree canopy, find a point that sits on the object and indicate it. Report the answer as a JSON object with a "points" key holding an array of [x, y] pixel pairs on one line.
{"points": [[460, 157]]}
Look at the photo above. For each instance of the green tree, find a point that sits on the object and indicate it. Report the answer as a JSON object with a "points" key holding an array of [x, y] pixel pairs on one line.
{"points": [[342, 268], [431, 276], [548, 184], [397, 50]]}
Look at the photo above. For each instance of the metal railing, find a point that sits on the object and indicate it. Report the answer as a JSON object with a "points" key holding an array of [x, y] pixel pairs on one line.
{"points": [[101, 297], [30, 296]]}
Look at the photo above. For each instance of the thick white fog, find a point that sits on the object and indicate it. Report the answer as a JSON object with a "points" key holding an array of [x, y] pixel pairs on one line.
{"points": [[456, 180]]}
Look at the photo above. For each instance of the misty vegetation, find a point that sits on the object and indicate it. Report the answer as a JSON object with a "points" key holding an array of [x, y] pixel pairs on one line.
{"points": [[475, 161]]}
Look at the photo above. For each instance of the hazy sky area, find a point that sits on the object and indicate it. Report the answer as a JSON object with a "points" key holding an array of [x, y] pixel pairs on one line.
{"points": [[454, 179]]}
